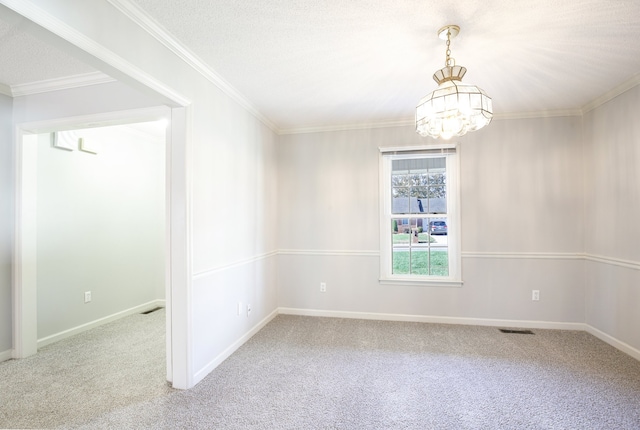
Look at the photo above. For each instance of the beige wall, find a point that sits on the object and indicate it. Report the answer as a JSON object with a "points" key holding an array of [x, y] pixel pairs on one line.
{"points": [[522, 186], [521, 198], [612, 211]]}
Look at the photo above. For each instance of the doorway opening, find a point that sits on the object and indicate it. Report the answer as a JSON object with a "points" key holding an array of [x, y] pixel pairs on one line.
{"points": [[93, 226]]}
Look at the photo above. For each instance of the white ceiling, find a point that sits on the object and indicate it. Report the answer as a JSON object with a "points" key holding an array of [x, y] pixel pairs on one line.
{"points": [[26, 59], [310, 63]]}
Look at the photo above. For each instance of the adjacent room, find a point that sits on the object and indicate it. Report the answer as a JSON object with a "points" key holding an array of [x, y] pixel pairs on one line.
{"points": [[330, 246], [99, 224]]}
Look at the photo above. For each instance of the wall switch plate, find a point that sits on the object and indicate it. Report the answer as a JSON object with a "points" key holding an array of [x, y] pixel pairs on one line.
{"points": [[323, 287], [535, 295], [87, 296], [239, 308]]}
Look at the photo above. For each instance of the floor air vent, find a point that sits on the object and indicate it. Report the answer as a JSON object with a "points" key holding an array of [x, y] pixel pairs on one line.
{"points": [[504, 330], [150, 310]]}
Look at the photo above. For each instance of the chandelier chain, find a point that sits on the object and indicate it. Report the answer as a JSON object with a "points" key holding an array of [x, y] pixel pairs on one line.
{"points": [[449, 62]]}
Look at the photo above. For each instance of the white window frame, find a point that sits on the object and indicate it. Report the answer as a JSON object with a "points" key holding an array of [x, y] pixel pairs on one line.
{"points": [[387, 155]]}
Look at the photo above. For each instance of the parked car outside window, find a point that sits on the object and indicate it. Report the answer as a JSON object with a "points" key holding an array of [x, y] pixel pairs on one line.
{"points": [[437, 227]]}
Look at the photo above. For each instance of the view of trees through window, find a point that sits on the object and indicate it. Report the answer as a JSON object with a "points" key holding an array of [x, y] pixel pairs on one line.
{"points": [[419, 225]]}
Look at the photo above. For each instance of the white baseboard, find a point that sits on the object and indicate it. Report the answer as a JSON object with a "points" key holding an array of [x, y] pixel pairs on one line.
{"points": [[6, 355], [618, 344], [202, 373], [97, 323], [435, 319]]}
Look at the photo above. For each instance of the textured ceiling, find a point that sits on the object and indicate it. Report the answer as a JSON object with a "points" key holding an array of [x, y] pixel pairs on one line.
{"points": [[307, 63], [27, 59]]}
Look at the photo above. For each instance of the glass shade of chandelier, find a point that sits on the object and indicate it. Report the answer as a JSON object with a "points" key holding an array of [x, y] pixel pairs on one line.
{"points": [[454, 108]]}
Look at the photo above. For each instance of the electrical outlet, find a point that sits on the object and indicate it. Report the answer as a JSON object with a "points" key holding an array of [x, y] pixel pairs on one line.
{"points": [[248, 310], [239, 308], [87, 296], [323, 287], [535, 295]]}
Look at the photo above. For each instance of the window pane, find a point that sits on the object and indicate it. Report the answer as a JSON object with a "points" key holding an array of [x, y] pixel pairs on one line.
{"points": [[437, 192], [400, 240], [439, 262], [419, 186], [437, 178], [420, 192], [420, 246], [400, 262], [419, 180], [437, 200], [400, 192], [400, 180], [420, 262], [400, 204], [438, 227]]}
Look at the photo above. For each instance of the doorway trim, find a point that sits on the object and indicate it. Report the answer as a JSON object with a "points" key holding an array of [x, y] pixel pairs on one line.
{"points": [[177, 256]]}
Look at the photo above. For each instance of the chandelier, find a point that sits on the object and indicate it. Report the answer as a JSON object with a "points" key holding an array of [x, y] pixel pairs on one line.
{"points": [[453, 108]]}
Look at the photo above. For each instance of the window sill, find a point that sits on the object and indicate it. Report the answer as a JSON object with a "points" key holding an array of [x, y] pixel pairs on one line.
{"points": [[422, 282]]}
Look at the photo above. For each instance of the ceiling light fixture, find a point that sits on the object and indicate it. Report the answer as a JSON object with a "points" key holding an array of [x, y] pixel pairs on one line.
{"points": [[453, 108]]}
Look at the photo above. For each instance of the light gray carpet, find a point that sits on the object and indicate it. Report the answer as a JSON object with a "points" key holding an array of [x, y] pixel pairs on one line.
{"points": [[322, 373], [96, 372]]}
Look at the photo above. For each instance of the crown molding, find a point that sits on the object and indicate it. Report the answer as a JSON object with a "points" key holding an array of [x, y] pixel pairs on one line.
{"points": [[613, 93], [162, 35], [405, 122], [63, 83], [353, 126], [46, 20], [537, 114], [6, 90]]}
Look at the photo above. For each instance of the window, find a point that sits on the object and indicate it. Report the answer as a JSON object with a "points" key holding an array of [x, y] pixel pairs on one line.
{"points": [[419, 231]]}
